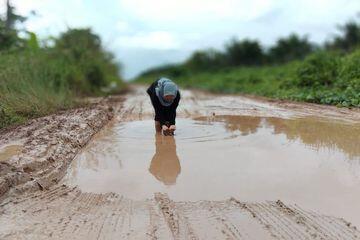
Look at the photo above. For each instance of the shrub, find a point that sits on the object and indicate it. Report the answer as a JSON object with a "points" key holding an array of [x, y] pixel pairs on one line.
{"points": [[319, 69], [349, 73]]}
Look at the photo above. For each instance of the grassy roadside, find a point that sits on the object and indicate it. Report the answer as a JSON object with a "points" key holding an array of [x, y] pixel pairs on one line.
{"points": [[39, 77], [38, 82], [31, 86], [323, 77]]}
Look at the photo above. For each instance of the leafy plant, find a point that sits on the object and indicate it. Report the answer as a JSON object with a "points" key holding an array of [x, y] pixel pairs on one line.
{"points": [[319, 69]]}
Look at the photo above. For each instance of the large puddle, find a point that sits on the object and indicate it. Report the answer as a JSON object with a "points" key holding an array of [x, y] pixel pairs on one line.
{"points": [[310, 162]]}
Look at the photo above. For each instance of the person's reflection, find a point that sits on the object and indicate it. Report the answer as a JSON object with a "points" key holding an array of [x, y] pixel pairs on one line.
{"points": [[165, 165]]}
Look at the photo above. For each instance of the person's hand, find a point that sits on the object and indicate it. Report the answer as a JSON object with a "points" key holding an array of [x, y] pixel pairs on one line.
{"points": [[165, 130], [171, 130]]}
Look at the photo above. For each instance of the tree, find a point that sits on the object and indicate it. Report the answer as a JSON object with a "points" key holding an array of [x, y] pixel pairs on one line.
{"points": [[350, 38], [245, 52], [11, 17], [290, 48], [8, 32], [206, 60], [83, 49], [79, 43]]}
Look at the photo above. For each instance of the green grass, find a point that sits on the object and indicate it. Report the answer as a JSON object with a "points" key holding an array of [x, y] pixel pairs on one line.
{"points": [[31, 85], [323, 77], [34, 84]]}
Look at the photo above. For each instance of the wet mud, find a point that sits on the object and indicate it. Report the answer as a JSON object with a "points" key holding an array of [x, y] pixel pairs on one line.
{"points": [[237, 168], [36, 155], [10, 150]]}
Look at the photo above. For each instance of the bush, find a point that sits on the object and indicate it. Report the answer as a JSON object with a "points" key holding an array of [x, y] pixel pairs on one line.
{"points": [[319, 69], [349, 73], [92, 67]]}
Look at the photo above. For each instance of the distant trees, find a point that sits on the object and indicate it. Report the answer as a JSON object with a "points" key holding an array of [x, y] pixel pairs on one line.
{"points": [[249, 52], [205, 59], [290, 48], [350, 38], [237, 53], [246, 52]]}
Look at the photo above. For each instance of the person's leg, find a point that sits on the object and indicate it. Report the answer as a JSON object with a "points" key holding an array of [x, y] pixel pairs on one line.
{"points": [[157, 126]]}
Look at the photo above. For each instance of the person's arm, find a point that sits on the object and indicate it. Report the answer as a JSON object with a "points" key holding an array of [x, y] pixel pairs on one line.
{"points": [[171, 116], [159, 112], [151, 89], [156, 103]]}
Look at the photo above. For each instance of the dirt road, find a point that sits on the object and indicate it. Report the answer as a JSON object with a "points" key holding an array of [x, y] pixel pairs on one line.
{"points": [[238, 168]]}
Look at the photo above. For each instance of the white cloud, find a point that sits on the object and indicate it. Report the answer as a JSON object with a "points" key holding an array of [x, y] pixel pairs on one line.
{"points": [[192, 11], [151, 40], [122, 26], [53, 16]]}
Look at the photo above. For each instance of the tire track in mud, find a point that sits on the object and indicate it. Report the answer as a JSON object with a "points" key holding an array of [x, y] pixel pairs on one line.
{"points": [[62, 212], [291, 222], [178, 223], [67, 213]]}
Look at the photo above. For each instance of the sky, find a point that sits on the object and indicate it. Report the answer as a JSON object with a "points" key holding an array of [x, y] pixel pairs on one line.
{"points": [[148, 33]]}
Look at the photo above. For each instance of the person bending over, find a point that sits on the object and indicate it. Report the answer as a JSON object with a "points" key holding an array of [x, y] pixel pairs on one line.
{"points": [[165, 96]]}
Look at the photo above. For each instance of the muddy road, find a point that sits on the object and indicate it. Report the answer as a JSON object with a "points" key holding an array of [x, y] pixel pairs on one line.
{"points": [[237, 168]]}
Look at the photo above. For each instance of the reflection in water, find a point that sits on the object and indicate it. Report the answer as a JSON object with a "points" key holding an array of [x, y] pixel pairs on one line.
{"points": [[247, 125], [313, 132], [319, 134], [165, 165]]}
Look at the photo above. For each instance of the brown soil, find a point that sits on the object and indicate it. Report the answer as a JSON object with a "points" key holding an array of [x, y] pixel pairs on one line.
{"points": [[34, 158]]}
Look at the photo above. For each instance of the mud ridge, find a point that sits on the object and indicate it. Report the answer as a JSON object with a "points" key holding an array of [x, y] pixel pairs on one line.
{"points": [[48, 145]]}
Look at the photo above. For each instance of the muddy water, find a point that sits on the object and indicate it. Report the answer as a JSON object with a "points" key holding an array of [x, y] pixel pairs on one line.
{"points": [[8, 151], [310, 162]]}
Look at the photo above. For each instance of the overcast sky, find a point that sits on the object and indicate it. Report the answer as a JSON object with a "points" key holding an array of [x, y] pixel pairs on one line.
{"points": [[146, 33]]}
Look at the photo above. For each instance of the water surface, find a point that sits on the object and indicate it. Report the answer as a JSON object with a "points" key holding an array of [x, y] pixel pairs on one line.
{"points": [[311, 162]]}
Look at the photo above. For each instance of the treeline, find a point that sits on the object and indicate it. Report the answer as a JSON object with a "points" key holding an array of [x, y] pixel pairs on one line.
{"points": [[293, 68], [38, 77], [249, 52]]}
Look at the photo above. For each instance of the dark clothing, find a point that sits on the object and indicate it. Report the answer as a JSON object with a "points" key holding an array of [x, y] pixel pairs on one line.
{"points": [[163, 114]]}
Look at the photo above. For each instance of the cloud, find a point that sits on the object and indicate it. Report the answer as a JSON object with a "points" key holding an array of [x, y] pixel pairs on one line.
{"points": [[186, 11], [122, 26], [151, 40], [53, 16]]}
